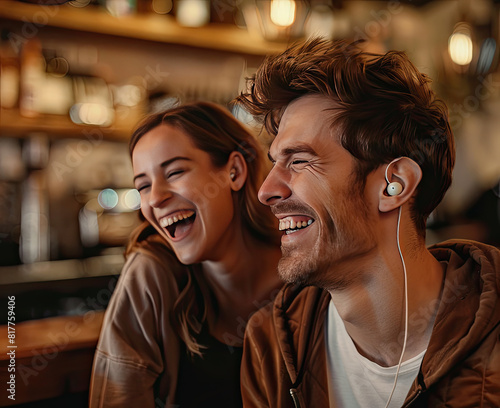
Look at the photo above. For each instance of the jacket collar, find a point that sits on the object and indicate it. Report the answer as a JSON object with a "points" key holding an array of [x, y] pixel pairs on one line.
{"points": [[298, 317], [472, 284]]}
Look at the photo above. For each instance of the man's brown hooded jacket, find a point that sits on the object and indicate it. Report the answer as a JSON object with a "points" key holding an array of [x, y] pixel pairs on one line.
{"points": [[284, 360]]}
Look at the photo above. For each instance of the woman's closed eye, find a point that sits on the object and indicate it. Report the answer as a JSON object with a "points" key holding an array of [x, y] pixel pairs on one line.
{"points": [[142, 187], [174, 173]]}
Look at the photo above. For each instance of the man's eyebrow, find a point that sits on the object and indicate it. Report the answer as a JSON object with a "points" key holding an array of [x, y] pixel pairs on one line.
{"points": [[166, 163], [289, 151]]}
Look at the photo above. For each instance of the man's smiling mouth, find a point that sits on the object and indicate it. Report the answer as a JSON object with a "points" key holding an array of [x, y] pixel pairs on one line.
{"points": [[180, 220], [294, 224]]}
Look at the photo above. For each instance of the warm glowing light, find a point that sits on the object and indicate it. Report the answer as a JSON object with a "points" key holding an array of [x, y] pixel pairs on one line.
{"points": [[460, 48], [91, 114], [283, 12], [118, 8], [193, 13], [127, 95], [132, 199]]}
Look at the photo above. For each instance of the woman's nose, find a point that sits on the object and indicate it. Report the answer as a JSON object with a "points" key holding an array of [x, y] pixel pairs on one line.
{"points": [[160, 192]]}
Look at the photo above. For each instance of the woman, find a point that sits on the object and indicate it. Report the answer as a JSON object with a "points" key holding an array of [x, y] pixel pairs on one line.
{"points": [[201, 263]]}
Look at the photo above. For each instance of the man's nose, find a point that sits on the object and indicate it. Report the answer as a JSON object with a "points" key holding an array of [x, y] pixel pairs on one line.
{"points": [[275, 187]]}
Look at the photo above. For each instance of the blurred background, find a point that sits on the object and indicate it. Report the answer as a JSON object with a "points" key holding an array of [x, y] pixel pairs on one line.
{"points": [[77, 76]]}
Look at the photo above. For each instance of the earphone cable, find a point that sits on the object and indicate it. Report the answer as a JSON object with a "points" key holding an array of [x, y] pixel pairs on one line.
{"points": [[406, 312]]}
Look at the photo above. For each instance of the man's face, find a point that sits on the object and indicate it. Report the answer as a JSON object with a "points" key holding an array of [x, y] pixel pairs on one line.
{"points": [[312, 190]]}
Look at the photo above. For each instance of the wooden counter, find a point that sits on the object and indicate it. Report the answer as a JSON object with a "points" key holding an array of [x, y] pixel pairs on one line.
{"points": [[53, 357]]}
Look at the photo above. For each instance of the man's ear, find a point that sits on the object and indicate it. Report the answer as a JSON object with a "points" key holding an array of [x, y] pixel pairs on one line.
{"points": [[238, 170], [408, 174]]}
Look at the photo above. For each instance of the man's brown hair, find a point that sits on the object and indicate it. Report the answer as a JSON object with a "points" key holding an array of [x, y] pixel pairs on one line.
{"points": [[387, 109]]}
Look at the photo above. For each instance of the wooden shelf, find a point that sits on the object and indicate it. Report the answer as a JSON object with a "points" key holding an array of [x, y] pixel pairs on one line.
{"points": [[15, 125], [53, 356], [150, 27], [32, 18]]}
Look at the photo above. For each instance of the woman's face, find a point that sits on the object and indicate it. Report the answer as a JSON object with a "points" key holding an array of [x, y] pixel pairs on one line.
{"points": [[186, 198]]}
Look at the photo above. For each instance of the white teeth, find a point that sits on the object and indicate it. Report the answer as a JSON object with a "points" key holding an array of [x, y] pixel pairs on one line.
{"points": [[165, 222], [290, 224]]}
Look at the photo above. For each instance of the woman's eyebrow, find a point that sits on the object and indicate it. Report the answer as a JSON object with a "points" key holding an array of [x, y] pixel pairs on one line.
{"points": [[166, 163]]}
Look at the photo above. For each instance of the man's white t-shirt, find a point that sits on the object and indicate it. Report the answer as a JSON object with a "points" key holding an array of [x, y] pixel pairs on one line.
{"points": [[354, 381]]}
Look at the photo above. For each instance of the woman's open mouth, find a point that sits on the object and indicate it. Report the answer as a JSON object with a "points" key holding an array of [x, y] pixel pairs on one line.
{"points": [[178, 223]]}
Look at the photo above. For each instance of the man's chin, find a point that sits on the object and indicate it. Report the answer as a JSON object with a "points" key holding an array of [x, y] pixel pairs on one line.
{"points": [[293, 270]]}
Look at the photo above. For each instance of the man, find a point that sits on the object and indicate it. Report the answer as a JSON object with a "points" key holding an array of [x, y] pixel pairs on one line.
{"points": [[363, 153]]}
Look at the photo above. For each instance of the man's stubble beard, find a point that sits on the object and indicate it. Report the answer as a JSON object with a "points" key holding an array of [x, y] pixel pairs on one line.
{"points": [[295, 267], [324, 265]]}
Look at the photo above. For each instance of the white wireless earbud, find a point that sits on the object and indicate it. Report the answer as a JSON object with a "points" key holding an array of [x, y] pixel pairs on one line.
{"points": [[394, 188]]}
